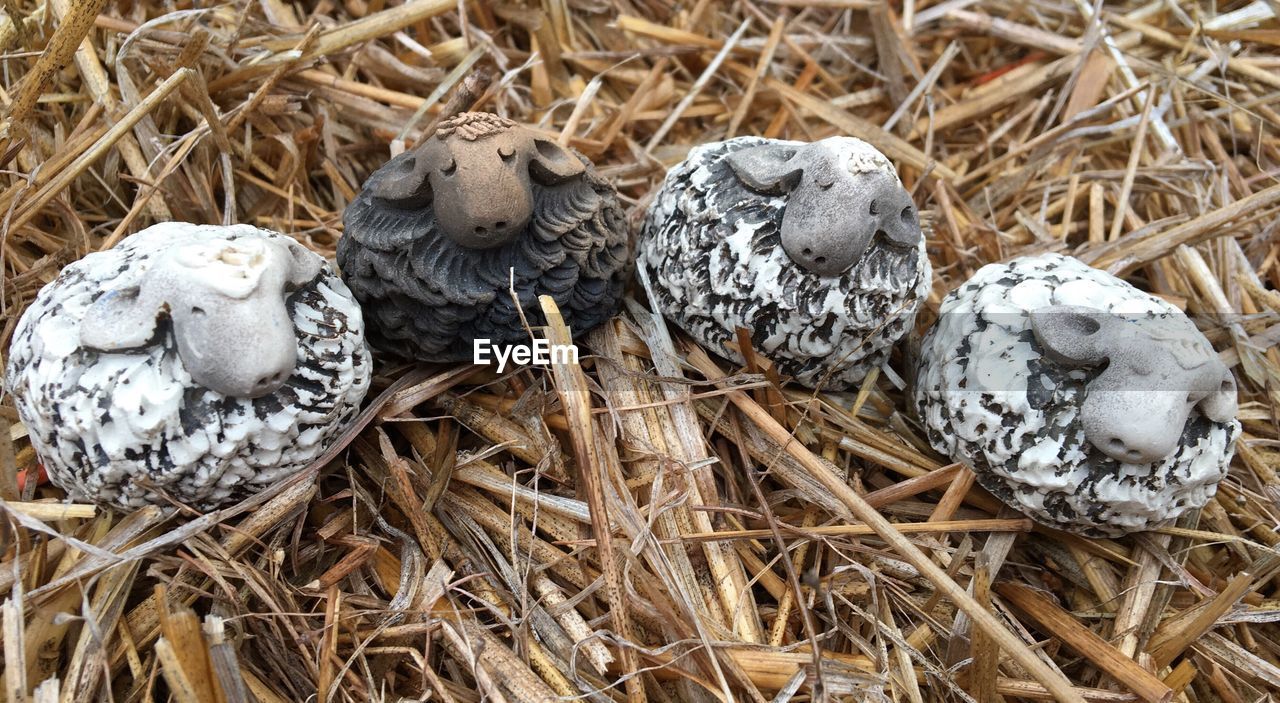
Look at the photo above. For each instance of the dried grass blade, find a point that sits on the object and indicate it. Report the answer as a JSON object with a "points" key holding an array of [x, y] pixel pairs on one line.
{"points": [[860, 510], [575, 396]]}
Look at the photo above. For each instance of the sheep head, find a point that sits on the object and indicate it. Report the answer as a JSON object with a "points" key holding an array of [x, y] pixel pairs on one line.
{"points": [[833, 212], [226, 299], [477, 173], [1157, 370]]}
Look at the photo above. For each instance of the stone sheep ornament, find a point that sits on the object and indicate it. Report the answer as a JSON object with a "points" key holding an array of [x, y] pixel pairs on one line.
{"points": [[814, 248], [1076, 398], [201, 363], [440, 235]]}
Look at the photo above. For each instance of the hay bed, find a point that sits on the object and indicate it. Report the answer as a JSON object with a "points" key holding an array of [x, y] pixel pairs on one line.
{"points": [[449, 550]]}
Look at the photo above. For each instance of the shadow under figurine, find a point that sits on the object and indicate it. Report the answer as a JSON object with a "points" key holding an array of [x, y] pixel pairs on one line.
{"points": [[201, 362], [439, 236], [814, 248], [1076, 398]]}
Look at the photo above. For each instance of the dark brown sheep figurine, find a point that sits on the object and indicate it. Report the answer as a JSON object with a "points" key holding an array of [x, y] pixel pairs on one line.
{"points": [[441, 234]]}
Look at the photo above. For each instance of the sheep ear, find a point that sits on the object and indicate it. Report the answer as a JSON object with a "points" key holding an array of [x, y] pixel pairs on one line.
{"points": [[768, 168], [1220, 405], [120, 319], [302, 266], [1071, 334], [552, 163], [403, 181]]}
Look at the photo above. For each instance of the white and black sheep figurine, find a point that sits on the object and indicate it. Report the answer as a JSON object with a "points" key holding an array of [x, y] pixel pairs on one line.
{"points": [[1076, 398], [815, 248], [439, 236], [201, 363]]}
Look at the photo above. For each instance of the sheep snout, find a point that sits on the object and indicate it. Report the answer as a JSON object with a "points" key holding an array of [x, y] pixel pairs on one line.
{"points": [[1134, 426], [831, 219], [483, 198], [244, 351]]}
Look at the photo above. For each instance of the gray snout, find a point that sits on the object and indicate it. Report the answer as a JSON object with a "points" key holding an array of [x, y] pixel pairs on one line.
{"points": [[1135, 426], [1136, 448], [244, 370], [493, 232], [240, 348], [827, 255], [832, 218], [269, 382]]}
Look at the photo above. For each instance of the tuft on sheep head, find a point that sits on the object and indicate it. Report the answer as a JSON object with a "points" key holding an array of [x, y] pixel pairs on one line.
{"points": [[226, 299], [833, 211], [1157, 370], [476, 172]]}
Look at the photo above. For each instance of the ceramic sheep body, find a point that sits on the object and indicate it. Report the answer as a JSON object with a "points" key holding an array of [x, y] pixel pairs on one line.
{"points": [[815, 249], [200, 362], [441, 234], [1076, 398]]}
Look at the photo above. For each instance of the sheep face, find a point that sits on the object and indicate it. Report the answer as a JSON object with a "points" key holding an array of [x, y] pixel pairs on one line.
{"points": [[833, 211], [226, 299], [476, 172], [1156, 372]]}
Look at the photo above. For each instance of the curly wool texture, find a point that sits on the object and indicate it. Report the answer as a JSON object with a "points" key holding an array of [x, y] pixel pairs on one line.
{"points": [[712, 248], [122, 427], [575, 249], [991, 400]]}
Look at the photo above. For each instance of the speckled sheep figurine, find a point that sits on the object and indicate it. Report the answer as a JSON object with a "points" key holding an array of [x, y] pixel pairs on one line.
{"points": [[815, 248], [440, 234], [1076, 398], [200, 363]]}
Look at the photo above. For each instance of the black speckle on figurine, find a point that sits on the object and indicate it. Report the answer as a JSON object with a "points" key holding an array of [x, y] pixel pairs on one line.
{"points": [[1076, 398], [814, 248], [434, 239], [198, 363]]}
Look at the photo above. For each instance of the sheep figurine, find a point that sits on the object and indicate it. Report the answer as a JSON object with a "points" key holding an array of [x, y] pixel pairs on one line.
{"points": [[1076, 398], [440, 235], [200, 363], [815, 248]]}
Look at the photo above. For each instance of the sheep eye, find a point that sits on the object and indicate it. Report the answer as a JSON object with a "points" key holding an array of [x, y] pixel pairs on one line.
{"points": [[506, 152], [449, 168], [824, 183]]}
